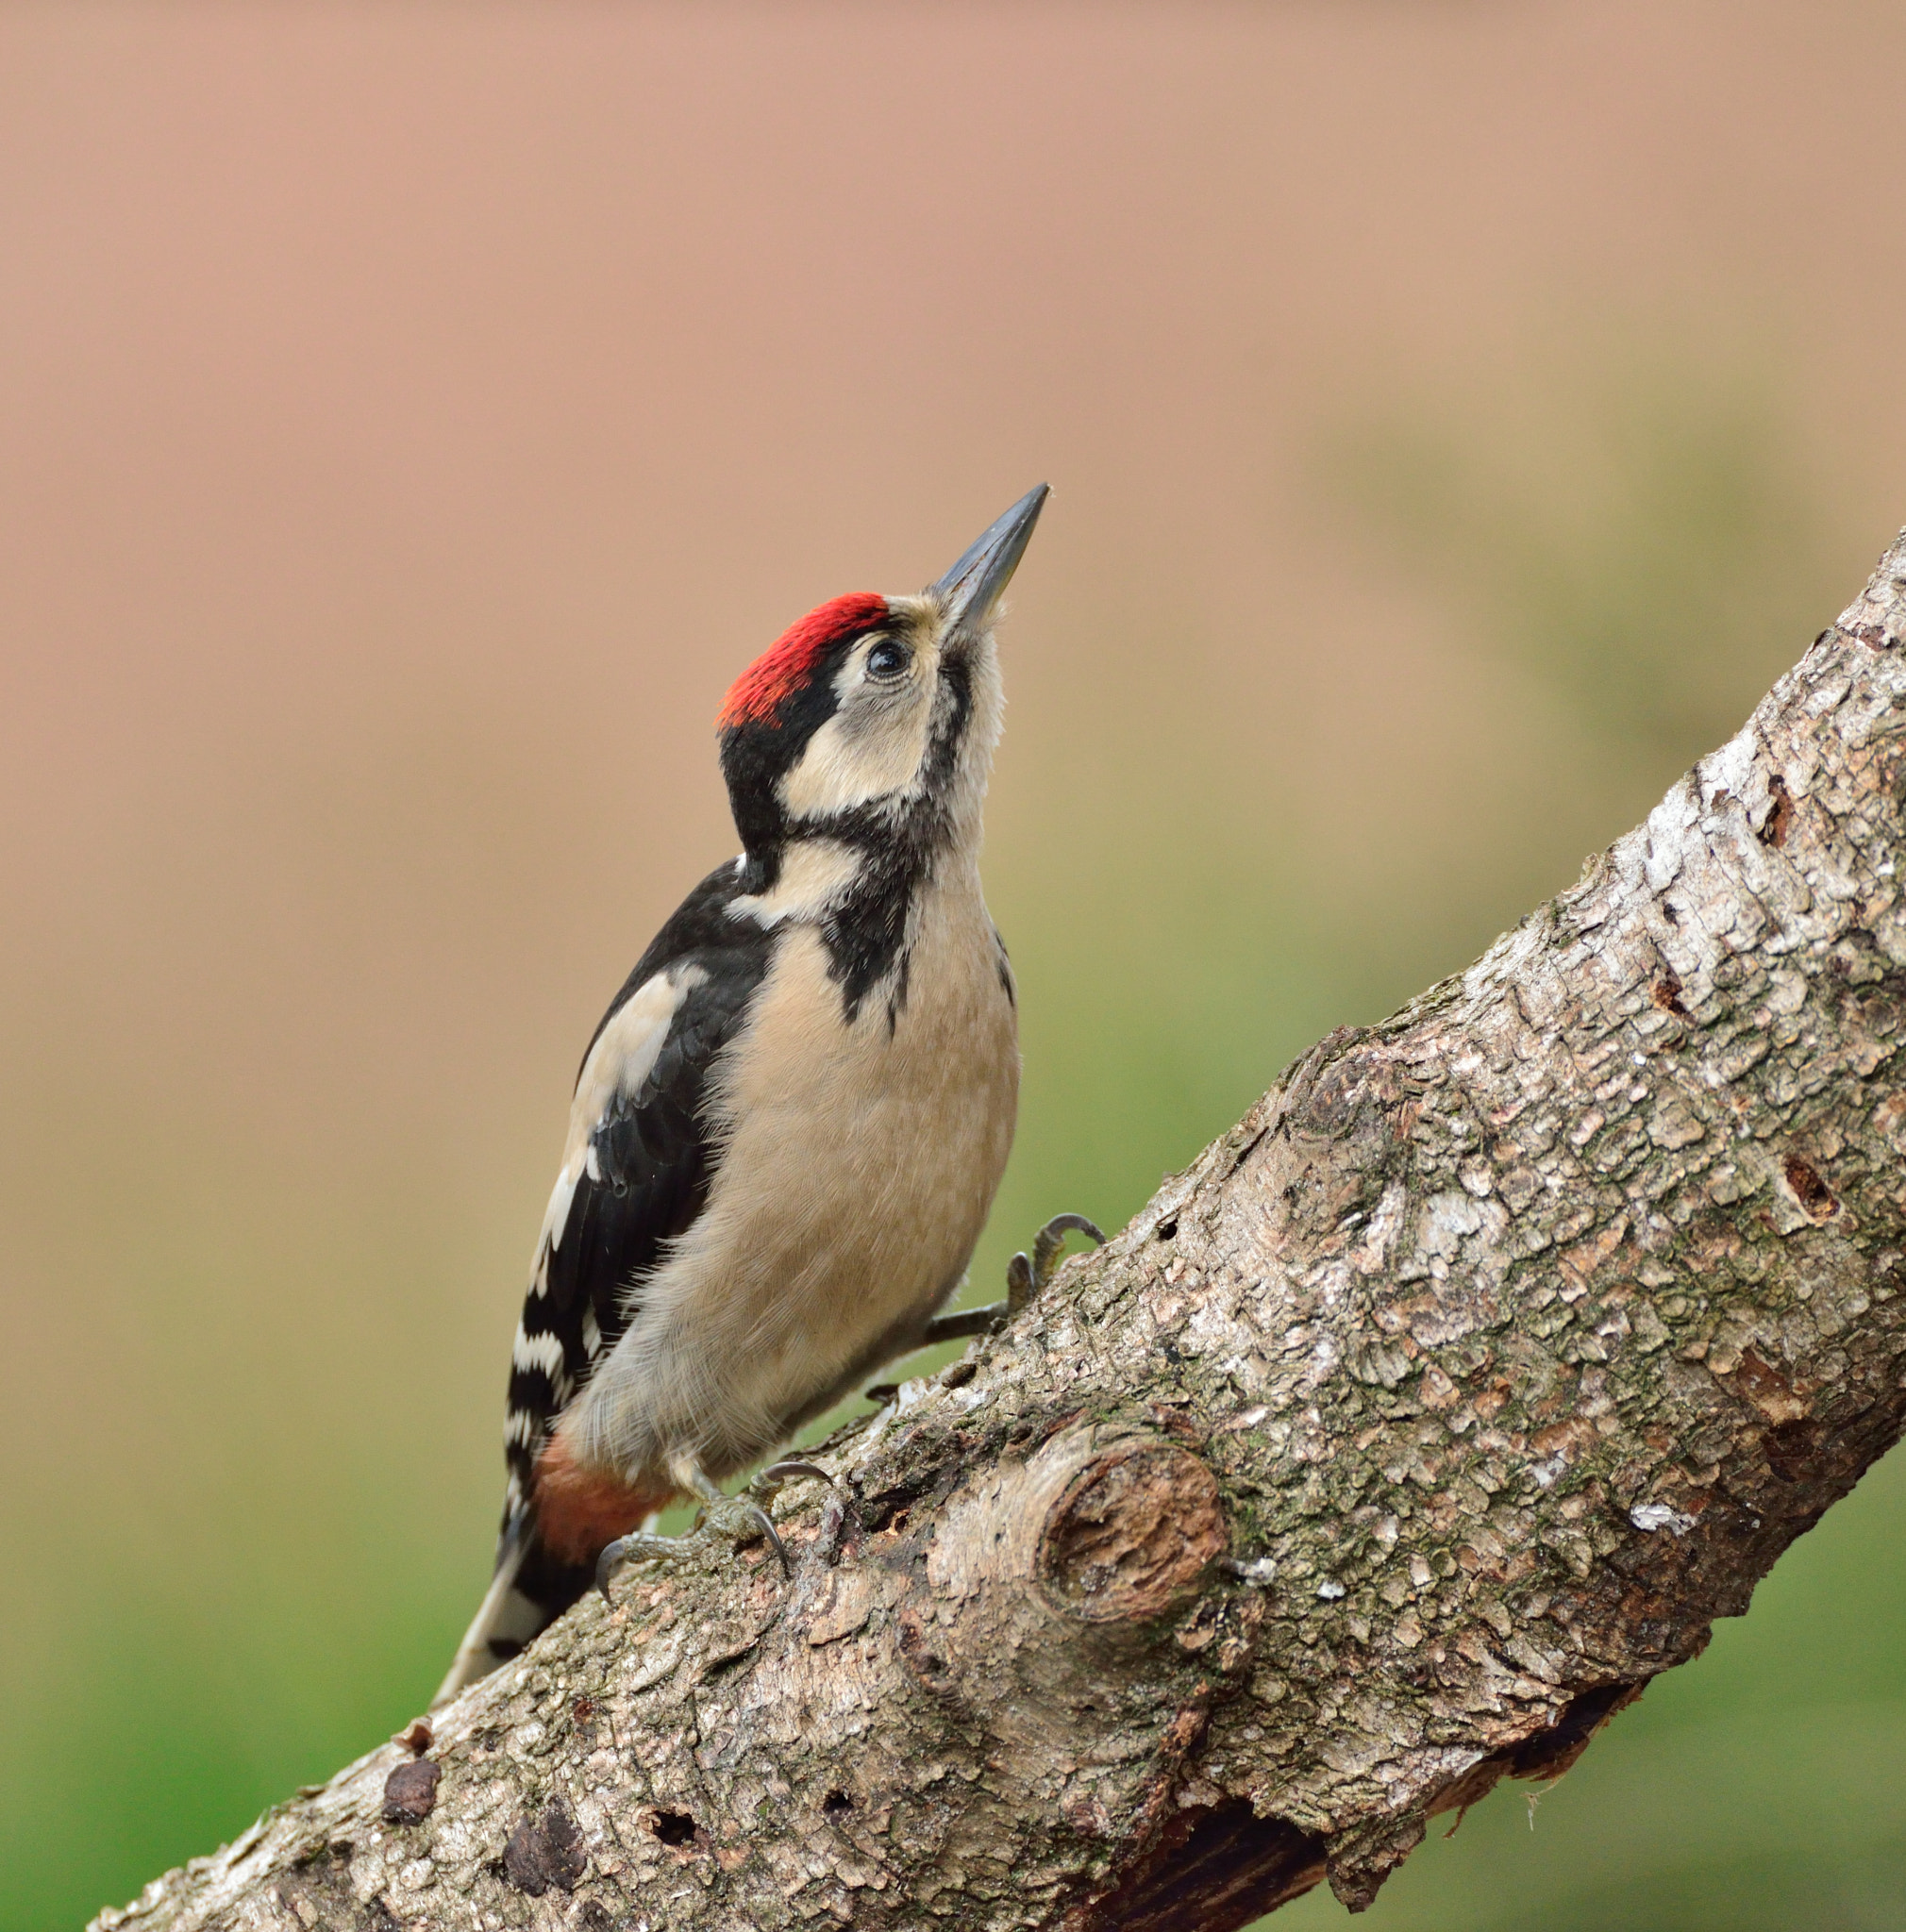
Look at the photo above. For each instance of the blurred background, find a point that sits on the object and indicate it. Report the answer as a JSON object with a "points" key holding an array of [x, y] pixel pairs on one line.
{"points": [[412, 416]]}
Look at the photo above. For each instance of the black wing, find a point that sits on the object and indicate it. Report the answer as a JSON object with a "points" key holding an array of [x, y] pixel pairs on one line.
{"points": [[650, 1161], [641, 1170]]}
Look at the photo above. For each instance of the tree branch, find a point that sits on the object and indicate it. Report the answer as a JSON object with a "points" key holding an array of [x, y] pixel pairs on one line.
{"points": [[1440, 1405]]}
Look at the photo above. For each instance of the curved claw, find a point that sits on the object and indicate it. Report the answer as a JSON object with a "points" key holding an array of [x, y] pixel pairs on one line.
{"points": [[606, 1565], [765, 1524], [1022, 1284], [779, 1472], [1051, 1240]]}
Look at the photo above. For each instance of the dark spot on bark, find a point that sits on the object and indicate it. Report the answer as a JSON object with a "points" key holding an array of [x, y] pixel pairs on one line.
{"points": [[956, 1374], [1790, 1448], [1549, 1752], [594, 1917], [835, 1803], [319, 1892], [1780, 816], [883, 1392], [410, 1792], [672, 1827], [1170, 1353], [418, 1737], [1816, 1197], [1167, 1229], [583, 1711], [545, 1851], [1213, 1869], [1667, 994], [918, 1654]]}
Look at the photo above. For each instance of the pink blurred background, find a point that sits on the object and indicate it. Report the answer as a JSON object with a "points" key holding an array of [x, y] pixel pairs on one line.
{"points": [[410, 419]]}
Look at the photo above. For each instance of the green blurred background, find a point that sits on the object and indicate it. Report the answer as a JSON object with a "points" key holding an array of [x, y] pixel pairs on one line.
{"points": [[412, 416]]}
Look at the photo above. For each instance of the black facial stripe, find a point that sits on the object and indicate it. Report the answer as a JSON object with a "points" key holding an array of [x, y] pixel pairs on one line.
{"points": [[757, 755], [950, 723], [866, 933]]}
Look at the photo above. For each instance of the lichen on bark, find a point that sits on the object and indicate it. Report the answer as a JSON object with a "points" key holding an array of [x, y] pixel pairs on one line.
{"points": [[1438, 1406]]}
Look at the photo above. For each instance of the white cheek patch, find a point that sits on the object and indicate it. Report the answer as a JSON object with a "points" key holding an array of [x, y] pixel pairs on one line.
{"points": [[872, 746]]}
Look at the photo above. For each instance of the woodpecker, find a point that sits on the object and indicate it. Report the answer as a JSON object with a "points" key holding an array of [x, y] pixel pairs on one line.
{"points": [[789, 1127]]}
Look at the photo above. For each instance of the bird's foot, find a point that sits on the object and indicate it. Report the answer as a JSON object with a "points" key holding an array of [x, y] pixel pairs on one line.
{"points": [[1026, 1275], [731, 1521]]}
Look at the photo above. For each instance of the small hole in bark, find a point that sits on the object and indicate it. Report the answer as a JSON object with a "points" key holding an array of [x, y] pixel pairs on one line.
{"points": [[835, 1803], [674, 1828], [1774, 826], [1668, 994], [1167, 1229], [1812, 1193]]}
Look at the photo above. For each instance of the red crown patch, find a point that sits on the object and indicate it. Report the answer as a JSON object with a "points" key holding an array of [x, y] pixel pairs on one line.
{"points": [[758, 694]]}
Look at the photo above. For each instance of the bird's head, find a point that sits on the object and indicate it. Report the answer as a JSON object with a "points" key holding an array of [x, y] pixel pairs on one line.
{"points": [[875, 717]]}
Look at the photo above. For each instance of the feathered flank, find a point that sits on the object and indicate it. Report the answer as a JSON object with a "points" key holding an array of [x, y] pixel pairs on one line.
{"points": [[757, 695]]}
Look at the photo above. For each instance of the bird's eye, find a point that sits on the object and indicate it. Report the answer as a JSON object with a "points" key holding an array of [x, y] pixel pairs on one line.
{"points": [[888, 660]]}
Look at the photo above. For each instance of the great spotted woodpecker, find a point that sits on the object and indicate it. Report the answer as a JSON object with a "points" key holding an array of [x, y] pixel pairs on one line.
{"points": [[789, 1127]]}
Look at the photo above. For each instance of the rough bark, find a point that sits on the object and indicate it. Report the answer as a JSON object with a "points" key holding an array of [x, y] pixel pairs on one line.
{"points": [[1442, 1403]]}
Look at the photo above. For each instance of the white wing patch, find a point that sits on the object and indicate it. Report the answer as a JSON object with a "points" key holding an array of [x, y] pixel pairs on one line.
{"points": [[622, 1058], [542, 1352]]}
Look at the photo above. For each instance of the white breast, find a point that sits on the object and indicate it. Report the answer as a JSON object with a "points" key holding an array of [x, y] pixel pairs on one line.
{"points": [[860, 1165]]}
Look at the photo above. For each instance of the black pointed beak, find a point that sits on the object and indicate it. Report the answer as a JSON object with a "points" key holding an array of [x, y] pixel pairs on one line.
{"points": [[971, 589]]}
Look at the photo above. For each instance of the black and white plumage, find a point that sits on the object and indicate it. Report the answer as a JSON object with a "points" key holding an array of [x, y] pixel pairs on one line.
{"points": [[789, 1127]]}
